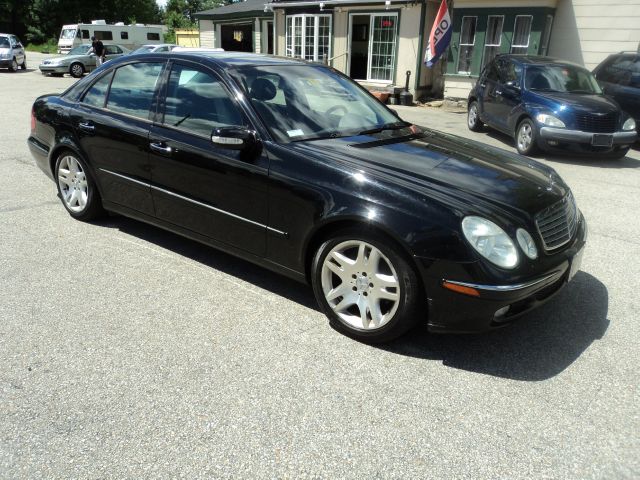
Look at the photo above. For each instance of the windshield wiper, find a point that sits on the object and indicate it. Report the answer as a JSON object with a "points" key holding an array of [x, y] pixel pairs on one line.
{"points": [[386, 126]]}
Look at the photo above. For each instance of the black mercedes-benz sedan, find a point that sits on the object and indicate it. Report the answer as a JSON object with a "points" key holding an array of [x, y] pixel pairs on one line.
{"points": [[293, 166]]}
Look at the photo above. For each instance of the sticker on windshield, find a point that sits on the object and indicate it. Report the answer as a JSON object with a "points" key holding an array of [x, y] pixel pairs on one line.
{"points": [[295, 133]]}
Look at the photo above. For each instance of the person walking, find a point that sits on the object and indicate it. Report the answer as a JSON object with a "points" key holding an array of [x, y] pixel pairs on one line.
{"points": [[98, 48]]}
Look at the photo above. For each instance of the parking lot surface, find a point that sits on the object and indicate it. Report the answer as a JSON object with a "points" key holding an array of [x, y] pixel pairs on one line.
{"points": [[130, 352]]}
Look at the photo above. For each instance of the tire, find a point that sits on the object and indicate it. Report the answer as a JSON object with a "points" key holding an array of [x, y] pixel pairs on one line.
{"points": [[370, 302], [473, 117], [76, 187], [14, 65], [76, 70], [527, 138], [24, 64]]}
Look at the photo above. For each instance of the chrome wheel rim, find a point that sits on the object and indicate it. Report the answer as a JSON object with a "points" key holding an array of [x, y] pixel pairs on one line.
{"points": [[525, 136], [72, 181], [360, 285], [473, 115], [76, 70]]}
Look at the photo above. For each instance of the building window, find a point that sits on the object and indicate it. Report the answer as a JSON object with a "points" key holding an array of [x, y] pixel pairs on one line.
{"points": [[521, 32], [546, 34], [308, 37], [493, 38], [467, 40]]}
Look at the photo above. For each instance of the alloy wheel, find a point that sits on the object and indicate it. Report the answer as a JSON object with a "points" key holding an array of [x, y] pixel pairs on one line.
{"points": [[473, 116], [76, 70], [525, 136], [74, 187], [360, 284]]}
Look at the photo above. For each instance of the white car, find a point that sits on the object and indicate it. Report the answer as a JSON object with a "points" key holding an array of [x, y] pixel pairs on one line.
{"points": [[162, 47]]}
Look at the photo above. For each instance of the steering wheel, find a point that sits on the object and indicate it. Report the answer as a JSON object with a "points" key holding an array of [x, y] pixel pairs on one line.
{"points": [[335, 108]]}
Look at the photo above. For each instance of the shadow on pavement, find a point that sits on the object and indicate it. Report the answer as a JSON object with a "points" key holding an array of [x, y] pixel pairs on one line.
{"points": [[537, 347], [216, 259]]}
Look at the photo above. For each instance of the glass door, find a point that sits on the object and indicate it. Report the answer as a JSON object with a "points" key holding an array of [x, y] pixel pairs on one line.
{"points": [[373, 46]]}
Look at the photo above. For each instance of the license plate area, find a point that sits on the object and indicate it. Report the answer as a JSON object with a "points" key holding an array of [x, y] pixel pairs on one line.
{"points": [[601, 140]]}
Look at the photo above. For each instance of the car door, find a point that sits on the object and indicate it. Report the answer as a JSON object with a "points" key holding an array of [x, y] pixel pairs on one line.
{"points": [[112, 122], [489, 83], [214, 191], [112, 51], [507, 93], [18, 49], [620, 79]]}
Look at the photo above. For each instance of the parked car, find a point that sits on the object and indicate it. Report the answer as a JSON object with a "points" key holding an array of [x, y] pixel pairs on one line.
{"points": [[297, 168], [12, 55], [78, 61], [619, 77], [163, 47], [549, 104]]}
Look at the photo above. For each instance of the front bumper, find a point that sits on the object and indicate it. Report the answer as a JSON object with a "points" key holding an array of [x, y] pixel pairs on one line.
{"points": [[555, 138], [454, 312], [5, 63], [53, 69]]}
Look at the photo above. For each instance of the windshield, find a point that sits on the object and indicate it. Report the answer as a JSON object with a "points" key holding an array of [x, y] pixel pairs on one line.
{"points": [[144, 49], [68, 33], [561, 78], [4, 42], [80, 50], [305, 102]]}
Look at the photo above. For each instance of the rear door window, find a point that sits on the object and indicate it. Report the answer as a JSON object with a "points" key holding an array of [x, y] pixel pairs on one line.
{"points": [[133, 88], [97, 94]]}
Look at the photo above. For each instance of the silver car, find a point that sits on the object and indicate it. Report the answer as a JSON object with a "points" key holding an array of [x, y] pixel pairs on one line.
{"points": [[163, 47], [12, 54], [78, 61]]}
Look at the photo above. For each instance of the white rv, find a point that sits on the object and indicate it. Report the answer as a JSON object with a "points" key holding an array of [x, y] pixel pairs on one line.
{"points": [[129, 36]]}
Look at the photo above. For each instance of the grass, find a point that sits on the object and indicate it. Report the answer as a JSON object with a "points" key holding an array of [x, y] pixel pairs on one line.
{"points": [[50, 47]]}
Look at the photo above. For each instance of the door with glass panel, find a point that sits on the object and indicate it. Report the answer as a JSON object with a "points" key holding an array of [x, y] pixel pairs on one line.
{"points": [[373, 39], [308, 37]]}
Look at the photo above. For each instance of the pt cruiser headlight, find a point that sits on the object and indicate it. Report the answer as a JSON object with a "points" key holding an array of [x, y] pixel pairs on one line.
{"points": [[550, 120], [490, 241], [630, 124]]}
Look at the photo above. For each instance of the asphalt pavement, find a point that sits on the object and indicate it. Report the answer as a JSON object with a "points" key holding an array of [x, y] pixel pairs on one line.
{"points": [[130, 352]]}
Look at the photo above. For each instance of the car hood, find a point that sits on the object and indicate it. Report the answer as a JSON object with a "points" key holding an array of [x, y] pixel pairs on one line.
{"points": [[588, 103], [449, 165], [5, 50]]}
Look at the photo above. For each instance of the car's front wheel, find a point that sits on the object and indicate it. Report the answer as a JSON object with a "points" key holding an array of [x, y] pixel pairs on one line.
{"points": [[527, 138], [76, 187], [366, 287], [473, 117], [14, 65], [76, 70], [23, 66]]}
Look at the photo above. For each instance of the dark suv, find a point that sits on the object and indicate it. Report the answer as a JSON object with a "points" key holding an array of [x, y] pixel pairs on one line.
{"points": [[619, 77], [549, 104]]}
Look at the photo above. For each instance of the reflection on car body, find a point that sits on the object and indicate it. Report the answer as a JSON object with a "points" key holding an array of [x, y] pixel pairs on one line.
{"points": [[295, 167]]}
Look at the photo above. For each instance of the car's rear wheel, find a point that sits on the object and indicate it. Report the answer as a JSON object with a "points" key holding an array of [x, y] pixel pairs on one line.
{"points": [[527, 138], [76, 187], [14, 65], [365, 286], [473, 117], [76, 70]]}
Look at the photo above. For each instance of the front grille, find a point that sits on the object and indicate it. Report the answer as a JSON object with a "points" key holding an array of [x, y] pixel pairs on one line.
{"points": [[589, 122], [558, 223]]}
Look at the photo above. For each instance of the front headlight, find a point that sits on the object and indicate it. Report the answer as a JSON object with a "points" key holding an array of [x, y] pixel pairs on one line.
{"points": [[630, 124], [549, 120], [5, 55], [528, 246], [490, 241]]}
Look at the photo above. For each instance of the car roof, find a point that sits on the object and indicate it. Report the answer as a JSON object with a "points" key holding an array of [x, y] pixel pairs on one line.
{"points": [[237, 59], [538, 60]]}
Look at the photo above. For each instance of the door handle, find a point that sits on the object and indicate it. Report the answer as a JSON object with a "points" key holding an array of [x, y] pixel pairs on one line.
{"points": [[87, 127], [161, 148], [498, 92]]}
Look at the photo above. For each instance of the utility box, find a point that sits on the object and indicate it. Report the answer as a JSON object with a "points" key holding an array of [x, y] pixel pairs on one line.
{"points": [[188, 38]]}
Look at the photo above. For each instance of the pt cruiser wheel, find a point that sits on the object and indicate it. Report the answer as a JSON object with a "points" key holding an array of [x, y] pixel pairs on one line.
{"points": [[526, 138], [473, 117], [365, 287], [76, 187]]}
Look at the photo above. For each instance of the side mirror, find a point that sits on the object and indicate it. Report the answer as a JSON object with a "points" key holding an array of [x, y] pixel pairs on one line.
{"points": [[234, 138], [513, 86]]}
